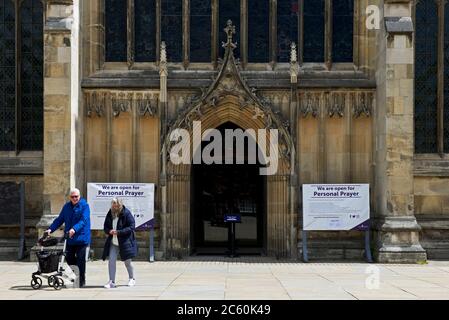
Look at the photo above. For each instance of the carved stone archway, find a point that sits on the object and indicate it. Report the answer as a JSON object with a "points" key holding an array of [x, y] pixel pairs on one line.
{"points": [[229, 99]]}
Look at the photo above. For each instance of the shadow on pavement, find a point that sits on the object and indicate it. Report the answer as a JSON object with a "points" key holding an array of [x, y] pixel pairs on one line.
{"points": [[22, 288]]}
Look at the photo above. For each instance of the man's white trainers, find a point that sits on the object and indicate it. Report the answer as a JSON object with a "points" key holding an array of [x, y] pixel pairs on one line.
{"points": [[110, 284], [131, 282]]}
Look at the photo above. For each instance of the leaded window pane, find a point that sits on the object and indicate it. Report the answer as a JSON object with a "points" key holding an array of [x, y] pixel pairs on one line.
{"points": [[200, 30], [31, 13], [145, 30], [287, 27], [171, 28], [229, 10], [313, 31], [258, 30], [426, 81], [343, 30], [116, 30], [7, 75], [446, 80]]}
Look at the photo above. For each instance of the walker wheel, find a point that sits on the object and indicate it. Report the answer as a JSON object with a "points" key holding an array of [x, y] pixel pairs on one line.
{"points": [[36, 283], [61, 281], [58, 283], [51, 281]]}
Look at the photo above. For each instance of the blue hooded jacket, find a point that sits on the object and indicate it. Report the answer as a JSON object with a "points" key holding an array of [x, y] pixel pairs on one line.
{"points": [[76, 217]]}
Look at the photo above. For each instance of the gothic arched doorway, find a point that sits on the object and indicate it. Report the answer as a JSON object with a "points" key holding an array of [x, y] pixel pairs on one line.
{"points": [[219, 189], [229, 99]]}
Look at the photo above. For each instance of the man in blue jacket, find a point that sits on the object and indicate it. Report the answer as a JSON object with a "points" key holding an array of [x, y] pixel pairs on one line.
{"points": [[75, 214]]}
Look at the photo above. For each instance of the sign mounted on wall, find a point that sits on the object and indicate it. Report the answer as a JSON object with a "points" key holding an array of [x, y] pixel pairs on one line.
{"points": [[137, 197], [336, 207]]}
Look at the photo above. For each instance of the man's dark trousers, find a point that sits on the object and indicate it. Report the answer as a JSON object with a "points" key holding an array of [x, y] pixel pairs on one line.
{"points": [[76, 255]]}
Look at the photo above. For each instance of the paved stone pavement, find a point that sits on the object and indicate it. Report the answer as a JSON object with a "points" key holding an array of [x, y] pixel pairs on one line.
{"points": [[241, 278]]}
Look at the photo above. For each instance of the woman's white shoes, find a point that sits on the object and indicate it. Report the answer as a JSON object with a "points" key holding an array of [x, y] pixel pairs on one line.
{"points": [[110, 285]]}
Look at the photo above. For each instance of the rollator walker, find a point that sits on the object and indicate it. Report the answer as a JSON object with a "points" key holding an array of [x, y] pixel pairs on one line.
{"points": [[51, 264]]}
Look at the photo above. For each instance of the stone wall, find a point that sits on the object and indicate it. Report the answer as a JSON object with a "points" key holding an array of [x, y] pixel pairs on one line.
{"points": [[432, 213], [397, 237], [57, 106], [9, 234]]}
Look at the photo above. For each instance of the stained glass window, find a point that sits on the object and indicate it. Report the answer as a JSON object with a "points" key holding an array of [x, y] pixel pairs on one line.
{"points": [[343, 30], [200, 30], [31, 13], [446, 80], [287, 27], [116, 30], [426, 83], [314, 31], [258, 30], [7, 75], [229, 10], [171, 28], [145, 30]]}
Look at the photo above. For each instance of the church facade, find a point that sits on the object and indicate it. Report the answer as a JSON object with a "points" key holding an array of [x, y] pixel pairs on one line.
{"points": [[356, 89]]}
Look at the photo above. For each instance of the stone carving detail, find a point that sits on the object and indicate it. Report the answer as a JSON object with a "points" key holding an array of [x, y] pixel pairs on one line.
{"points": [[146, 105], [362, 104], [121, 102], [95, 103], [336, 105], [310, 104]]}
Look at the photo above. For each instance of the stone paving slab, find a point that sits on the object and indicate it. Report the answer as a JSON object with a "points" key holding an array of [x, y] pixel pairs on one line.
{"points": [[236, 279]]}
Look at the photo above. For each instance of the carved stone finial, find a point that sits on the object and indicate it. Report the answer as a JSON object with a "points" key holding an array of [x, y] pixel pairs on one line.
{"points": [[163, 52], [293, 53], [294, 68], [230, 31], [163, 60]]}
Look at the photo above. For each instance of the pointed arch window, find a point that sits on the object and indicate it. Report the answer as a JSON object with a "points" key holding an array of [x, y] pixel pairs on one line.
{"points": [[342, 30], [21, 75], [431, 77], [145, 30], [258, 30], [200, 30], [115, 26], [171, 28], [314, 30]]}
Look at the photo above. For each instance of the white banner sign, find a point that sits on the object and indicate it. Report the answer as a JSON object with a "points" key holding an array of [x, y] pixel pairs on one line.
{"points": [[137, 197], [336, 206]]}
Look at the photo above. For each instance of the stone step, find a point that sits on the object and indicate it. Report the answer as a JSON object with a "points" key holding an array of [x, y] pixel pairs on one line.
{"points": [[9, 249]]}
